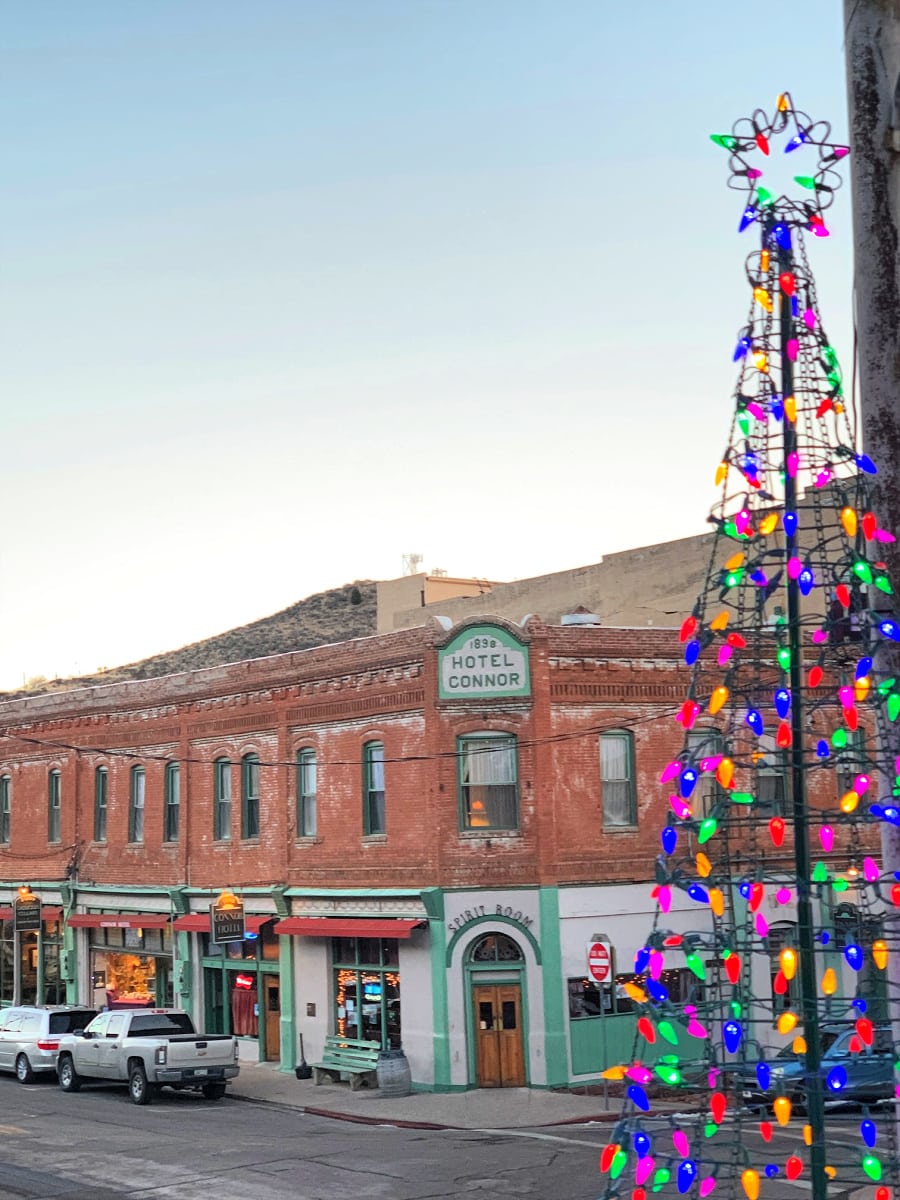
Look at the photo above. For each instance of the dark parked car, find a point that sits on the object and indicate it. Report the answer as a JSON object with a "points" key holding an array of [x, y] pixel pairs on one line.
{"points": [[870, 1074]]}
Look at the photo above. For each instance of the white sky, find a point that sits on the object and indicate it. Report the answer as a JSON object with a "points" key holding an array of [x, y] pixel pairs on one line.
{"points": [[291, 288]]}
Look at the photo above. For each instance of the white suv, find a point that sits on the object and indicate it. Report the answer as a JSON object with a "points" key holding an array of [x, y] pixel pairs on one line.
{"points": [[29, 1036]]}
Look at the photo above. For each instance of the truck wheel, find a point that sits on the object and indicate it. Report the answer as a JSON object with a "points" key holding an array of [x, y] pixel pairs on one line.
{"points": [[139, 1088], [69, 1079], [214, 1091], [24, 1073]]}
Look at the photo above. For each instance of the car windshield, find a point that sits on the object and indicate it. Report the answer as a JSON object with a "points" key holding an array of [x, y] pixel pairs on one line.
{"points": [[160, 1025], [68, 1022]]}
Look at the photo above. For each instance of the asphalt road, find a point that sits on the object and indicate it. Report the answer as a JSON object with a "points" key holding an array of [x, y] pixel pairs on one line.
{"points": [[98, 1146]]}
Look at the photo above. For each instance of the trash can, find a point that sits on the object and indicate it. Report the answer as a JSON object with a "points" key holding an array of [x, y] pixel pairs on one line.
{"points": [[393, 1073]]}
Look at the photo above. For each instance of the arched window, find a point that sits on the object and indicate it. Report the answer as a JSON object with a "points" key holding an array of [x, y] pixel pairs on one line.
{"points": [[101, 802], [250, 796], [5, 794], [488, 785], [222, 799], [617, 779], [172, 818], [307, 792], [136, 806], [54, 806], [495, 947]]}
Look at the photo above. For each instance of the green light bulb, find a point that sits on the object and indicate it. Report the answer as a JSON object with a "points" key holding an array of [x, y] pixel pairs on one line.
{"points": [[733, 578], [741, 798], [666, 1030], [839, 739], [710, 1128], [669, 1075], [820, 873], [863, 570], [885, 686], [872, 1166], [661, 1178], [764, 197], [707, 829], [618, 1164], [893, 707], [724, 139], [840, 885], [695, 963], [884, 584], [736, 1008], [806, 181], [784, 658], [744, 423], [828, 353]]}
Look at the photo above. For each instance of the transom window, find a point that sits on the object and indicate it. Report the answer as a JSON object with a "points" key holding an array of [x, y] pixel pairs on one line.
{"points": [[488, 783], [617, 779], [495, 947]]}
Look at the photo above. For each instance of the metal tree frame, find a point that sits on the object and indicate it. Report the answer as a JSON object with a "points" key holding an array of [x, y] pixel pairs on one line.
{"points": [[778, 691]]}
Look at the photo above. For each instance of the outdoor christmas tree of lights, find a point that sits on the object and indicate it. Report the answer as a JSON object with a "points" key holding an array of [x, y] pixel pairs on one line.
{"points": [[787, 773]]}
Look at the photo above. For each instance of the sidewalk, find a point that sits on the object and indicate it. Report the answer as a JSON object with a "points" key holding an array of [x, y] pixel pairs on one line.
{"points": [[494, 1108]]}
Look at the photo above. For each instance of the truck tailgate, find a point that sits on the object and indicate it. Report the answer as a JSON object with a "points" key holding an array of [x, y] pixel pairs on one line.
{"points": [[213, 1051]]}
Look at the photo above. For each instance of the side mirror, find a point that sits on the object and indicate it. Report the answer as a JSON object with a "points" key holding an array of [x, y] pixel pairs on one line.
{"points": [[82, 1033]]}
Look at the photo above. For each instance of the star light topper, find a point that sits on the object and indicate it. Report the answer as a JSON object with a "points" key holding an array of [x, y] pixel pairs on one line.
{"points": [[754, 134]]}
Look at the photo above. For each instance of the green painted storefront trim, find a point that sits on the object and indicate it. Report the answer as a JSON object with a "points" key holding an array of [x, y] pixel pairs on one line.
{"points": [[493, 919], [440, 1007], [555, 1016], [491, 975], [287, 1032]]}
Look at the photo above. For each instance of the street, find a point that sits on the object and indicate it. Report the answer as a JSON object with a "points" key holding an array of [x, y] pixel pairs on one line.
{"points": [[98, 1146]]}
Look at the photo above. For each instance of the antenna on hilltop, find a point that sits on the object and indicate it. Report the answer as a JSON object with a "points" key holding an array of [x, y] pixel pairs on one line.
{"points": [[412, 562]]}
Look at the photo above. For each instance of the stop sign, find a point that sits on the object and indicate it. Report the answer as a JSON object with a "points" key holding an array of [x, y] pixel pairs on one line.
{"points": [[598, 961]]}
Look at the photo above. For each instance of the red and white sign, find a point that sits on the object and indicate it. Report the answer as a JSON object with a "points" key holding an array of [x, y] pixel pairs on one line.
{"points": [[598, 961]]}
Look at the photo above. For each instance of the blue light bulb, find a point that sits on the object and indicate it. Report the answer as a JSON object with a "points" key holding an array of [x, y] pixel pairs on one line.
{"points": [[865, 464], [869, 1133], [687, 781], [755, 721], [696, 892], [669, 838], [822, 750], [749, 216], [796, 141], [687, 1173], [782, 702], [863, 667], [771, 1170], [860, 1005], [789, 522], [806, 581], [642, 1143], [854, 956], [732, 1033], [691, 653], [642, 960], [837, 1078], [782, 236], [745, 889], [659, 993], [891, 630], [638, 1097], [763, 1075], [742, 348]]}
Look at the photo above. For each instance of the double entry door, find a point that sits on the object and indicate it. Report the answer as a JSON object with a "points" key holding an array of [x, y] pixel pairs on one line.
{"points": [[499, 1048]]}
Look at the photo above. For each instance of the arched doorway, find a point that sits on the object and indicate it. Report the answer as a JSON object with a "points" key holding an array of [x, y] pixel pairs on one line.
{"points": [[495, 966]]}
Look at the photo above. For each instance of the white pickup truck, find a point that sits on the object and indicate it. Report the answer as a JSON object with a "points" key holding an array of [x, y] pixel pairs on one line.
{"points": [[147, 1048]]}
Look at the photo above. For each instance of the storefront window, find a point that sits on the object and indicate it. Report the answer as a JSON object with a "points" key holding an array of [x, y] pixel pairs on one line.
{"points": [[7, 958], [585, 999], [367, 990], [52, 986], [131, 968], [28, 968], [234, 979]]}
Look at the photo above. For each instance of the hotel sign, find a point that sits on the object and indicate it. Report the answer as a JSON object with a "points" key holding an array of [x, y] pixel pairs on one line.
{"points": [[226, 924], [483, 661]]}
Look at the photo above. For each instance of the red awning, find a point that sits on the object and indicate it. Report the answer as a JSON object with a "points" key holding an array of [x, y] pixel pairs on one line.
{"points": [[199, 923], [48, 913], [118, 921], [372, 927]]}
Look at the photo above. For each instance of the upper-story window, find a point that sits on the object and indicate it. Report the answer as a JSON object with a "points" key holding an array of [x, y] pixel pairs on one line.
{"points": [[250, 796], [703, 744], [5, 795], [172, 817], [771, 773], [488, 781], [222, 799], [136, 805], [373, 788], [617, 779], [101, 802], [54, 803], [307, 791]]}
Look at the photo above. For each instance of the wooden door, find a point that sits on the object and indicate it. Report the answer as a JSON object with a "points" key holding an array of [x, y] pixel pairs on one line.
{"points": [[499, 1049], [272, 1005]]}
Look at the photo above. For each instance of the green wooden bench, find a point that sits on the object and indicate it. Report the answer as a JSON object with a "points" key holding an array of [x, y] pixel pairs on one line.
{"points": [[347, 1056]]}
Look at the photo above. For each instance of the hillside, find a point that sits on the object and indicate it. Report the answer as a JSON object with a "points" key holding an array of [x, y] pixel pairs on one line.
{"points": [[333, 616]]}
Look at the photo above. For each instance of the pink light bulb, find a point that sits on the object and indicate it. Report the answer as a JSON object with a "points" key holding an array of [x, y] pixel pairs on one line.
{"points": [[664, 897], [819, 636], [783, 895], [823, 479], [792, 463], [826, 837], [871, 870], [846, 697], [644, 1169], [861, 784], [670, 771], [657, 962], [725, 653], [707, 1185], [639, 1074], [680, 1142], [681, 809], [762, 925], [792, 346], [794, 567], [809, 318]]}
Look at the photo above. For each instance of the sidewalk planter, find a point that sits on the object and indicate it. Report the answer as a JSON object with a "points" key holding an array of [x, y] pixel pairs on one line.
{"points": [[393, 1073]]}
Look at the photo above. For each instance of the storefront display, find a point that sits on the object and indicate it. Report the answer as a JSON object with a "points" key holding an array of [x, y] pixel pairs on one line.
{"points": [[241, 986], [131, 968], [367, 990]]}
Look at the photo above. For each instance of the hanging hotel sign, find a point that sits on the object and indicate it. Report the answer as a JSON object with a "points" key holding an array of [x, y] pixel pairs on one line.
{"points": [[226, 923], [483, 661], [27, 913]]}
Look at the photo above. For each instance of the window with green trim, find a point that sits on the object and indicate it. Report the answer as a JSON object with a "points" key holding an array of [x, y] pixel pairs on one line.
{"points": [[250, 796], [101, 802], [373, 788], [136, 805], [852, 760], [488, 781], [54, 806], [307, 790], [5, 799], [367, 989], [617, 779], [771, 773], [172, 818], [222, 799], [703, 744]]}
